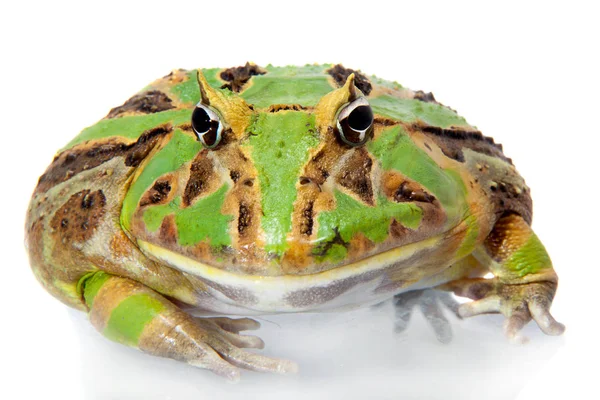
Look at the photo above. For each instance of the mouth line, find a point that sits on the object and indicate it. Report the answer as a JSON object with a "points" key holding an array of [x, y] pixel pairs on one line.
{"points": [[372, 263]]}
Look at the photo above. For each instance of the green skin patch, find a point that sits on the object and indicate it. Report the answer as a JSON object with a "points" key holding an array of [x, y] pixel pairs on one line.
{"points": [[409, 110], [279, 145], [374, 222], [288, 85], [189, 91], [529, 259], [181, 148], [130, 127], [396, 151], [128, 320], [92, 284], [199, 222]]}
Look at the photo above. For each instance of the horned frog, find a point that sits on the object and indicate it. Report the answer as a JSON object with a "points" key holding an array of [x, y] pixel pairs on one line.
{"points": [[254, 190]]}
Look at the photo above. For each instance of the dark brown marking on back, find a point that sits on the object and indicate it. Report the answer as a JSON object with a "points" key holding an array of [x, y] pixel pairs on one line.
{"points": [[355, 175], [158, 193], [425, 97], [507, 198], [235, 175], [341, 74], [90, 155], [410, 191], [283, 107], [453, 141], [201, 173], [76, 220], [239, 76], [307, 222], [149, 102], [244, 218], [382, 121]]}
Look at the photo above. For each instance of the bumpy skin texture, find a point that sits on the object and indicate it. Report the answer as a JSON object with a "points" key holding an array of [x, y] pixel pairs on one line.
{"points": [[282, 215]]}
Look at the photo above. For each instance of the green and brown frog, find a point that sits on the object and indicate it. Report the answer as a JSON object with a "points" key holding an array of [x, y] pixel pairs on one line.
{"points": [[252, 190]]}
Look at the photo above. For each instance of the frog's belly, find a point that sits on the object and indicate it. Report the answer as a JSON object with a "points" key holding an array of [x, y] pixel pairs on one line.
{"points": [[365, 282]]}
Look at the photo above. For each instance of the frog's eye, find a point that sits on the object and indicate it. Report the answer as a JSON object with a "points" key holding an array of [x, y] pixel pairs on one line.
{"points": [[355, 122], [207, 125]]}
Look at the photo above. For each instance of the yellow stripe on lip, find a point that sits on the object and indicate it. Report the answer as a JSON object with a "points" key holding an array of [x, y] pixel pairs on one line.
{"points": [[287, 283]]}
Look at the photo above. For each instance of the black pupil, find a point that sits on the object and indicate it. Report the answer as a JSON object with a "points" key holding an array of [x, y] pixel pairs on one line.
{"points": [[360, 118], [201, 121]]}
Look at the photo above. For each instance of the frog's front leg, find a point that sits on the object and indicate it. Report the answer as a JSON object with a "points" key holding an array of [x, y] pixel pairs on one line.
{"points": [[128, 312], [524, 281]]}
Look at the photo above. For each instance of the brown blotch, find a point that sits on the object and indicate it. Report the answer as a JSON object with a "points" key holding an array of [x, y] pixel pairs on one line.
{"points": [[411, 191], [507, 198], [427, 97], [149, 102], [453, 141], [341, 74], [77, 219], [201, 174], [239, 76], [355, 175], [283, 107], [235, 175], [307, 222], [158, 193], [510, 233], [168, 231], [322, 162], [90, 155], [244, 218]]}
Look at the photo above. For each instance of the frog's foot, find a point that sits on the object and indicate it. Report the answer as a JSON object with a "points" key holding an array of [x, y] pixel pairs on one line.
{"points": [[133, 314], [429, 301], [519, 303]]}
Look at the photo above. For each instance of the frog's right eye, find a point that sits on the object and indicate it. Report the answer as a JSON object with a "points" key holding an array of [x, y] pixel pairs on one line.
{"points": [[355, 122], [207, 126]]}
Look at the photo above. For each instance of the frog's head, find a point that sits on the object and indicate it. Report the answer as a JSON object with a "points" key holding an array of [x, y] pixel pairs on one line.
{"points": [[258, 185]]}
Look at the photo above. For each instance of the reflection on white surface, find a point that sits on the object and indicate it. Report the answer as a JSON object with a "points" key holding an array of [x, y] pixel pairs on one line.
{"points": [[350, 355]]}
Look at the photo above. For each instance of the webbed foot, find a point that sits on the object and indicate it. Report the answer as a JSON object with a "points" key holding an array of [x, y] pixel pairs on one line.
{"points": [[429, 301]]}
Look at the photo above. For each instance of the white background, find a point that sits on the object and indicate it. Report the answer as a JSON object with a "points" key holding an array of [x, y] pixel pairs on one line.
{"points": [[523, 72]]}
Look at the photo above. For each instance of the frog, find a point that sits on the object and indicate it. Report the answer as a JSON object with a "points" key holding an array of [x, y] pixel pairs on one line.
{"points": [[218, 194]]}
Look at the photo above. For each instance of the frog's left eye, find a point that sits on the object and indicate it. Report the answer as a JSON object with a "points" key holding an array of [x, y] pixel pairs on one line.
{"points": [[355, 122], [207, 125]]}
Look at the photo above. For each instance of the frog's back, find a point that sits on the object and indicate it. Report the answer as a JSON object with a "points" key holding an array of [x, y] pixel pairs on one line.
{"points": [[282, 198]]}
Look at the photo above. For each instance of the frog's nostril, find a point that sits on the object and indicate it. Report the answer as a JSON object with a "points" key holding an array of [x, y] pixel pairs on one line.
{"points": [[304, 180]]}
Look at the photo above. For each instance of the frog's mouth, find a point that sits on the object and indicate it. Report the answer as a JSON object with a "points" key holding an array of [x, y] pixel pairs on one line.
{"points": [[272, 293]]}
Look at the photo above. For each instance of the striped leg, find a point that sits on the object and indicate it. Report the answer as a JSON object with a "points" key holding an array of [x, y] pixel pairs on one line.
{"points": [[524, 281], [130, 313]]}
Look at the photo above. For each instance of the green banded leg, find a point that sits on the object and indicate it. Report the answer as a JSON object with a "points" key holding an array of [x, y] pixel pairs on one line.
{"points": [[524, 281], [130, 313]]}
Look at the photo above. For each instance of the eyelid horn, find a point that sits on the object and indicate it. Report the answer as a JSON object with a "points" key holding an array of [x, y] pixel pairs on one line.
{"points": [[327, 108], [235, 111]]}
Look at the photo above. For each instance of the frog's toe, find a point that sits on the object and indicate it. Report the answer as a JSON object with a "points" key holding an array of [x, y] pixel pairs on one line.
{"points": [[211, 360], [234, 325], [218, 327], [540, 311], [404, 304], [229, 329], [484, 306], [428, 301], [250, 361], [513, 325]]}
